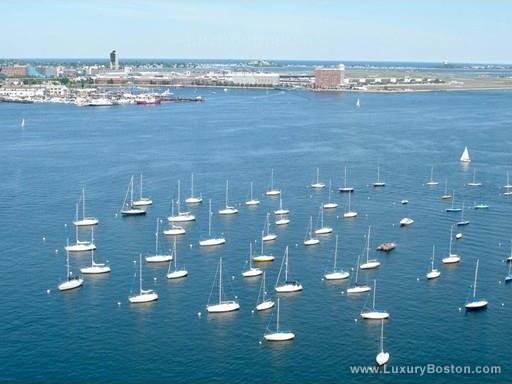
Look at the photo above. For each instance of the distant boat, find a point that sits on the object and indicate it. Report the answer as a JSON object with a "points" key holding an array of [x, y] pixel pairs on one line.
{"points": [[345, 188], [71, 282], [84, 221], [251, 272], [358, 103], [370, 263], [379, 182], [211, 241], [382, 357], [95, 268], [144, 295], [262, 258], [181, 216], [281, 210], [282, 220], [452, 258], [286, 286], [192, 199], [508, 278], [272, 191], [372, 313], [318, 184], [404, 201], [143, 201], [81, 246], [252, 200], [265, 302], [177, 273], [228, 209], [464, 158], [128, 209], [330, 204], [278, 335], [406, 221], [453, 208], [157, 257], [474, 183], [508, 187], [459, 236], [222, 305], [358, 288], [336, 274], [434, 273], [446, 195], [322, 229], [431, 182], [309, 239], [349, 213], [462, 221], [174, 229], [481, 206], [475, 303], [23, 123], [268, 235]]}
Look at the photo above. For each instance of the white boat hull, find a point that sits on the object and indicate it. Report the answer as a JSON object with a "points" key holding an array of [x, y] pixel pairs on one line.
{"points": [[71, 284], [177, 274], [269, 237], [193, 200], [379, 184], [223, 307], [87, 222], [433, 274], [144, 202], [267, 304], [289, 287], [252, 272], [228, 211], [318, 185], [349, 215], [323, 231], [279, 336], [406, 221], [330, 205], [359, 289], [263, 258], [309, 242], [95, 270], [382, 358], [273, 192], [375, 315], [451, 259], [143, 298], [432, 183], [133, 212], [336, 275], [370, 265], [281, 211], [252, 202], [175, 231], [282, 221], [158, 258], [476, 305], [80, 247], [212, 242], [346, 189], [181, 218]]}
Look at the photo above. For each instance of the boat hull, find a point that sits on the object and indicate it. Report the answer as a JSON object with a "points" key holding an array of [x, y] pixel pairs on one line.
{"points": [[253, 272], [158, 258], [269, 237], [336, 275], [177, 274], [279, 336], [370, 265], [133, 212], [265, 305], [71, 284], [80, 247], [282, 221], [181, 218], [223, 307], [193, 200], [228, 211], [476, 305], [252, 202], [349, 215], [451, 259], [288, 288], [95, 270], [382, 358], [87, 222], [212, 242], [263, 258], [143, 298], [330, 205], [175, 231], [310, 242], [433, 274], [144, 202], [323, 231], [359, 289], [273, 192], [375, 315]]}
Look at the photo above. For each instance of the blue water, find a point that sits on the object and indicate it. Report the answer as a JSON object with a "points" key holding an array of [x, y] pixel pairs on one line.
{"points": [[85, 335]]}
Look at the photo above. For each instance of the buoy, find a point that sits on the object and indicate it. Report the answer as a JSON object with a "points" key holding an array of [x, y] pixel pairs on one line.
{"points": [[502, 304], [252, 311], [65, 225], [259, 342], [342, 293], [232, 277], [355, 320], [119, 303], [115, 214], [56, 251], [417, 279], [154, 278], [48, 291], [190, 245], [198, 314], [460, 309], [44, 238]]}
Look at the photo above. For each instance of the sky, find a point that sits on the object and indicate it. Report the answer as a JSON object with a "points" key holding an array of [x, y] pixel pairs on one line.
{"points": [[473, 31]]}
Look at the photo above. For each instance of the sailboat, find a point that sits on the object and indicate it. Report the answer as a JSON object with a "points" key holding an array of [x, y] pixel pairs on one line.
{"points": [[345, 188], [261, 258], [335, 274], [330, 204], [508, 278], [144, 295], [228, 210], [318, 184], [446, 195], [71, 281], [474, 183], [174, 229], [143, 201], [181, 216], [288, 285], [84, 221], [462, 221], [434, 272], [475, 303], [432, 182], [278, 335], [222, 305], [210, 241], [23, 123], [281, 210], [252, 200], [379, 183], [372, 313], [192, 199], [322, 229], [509, 258], [373, 263], [177, 273], [81, 246], [508, 187], [464, 158], [128, 209], [272, 191], [265, 302], [358, 288], [158, 258], [382, 357], [95, 268], [282, 220], [309, 239], [452, 258], [349, 213], [268, 236], [251, 272], [406, 221], [358, 102], [453, 208]]}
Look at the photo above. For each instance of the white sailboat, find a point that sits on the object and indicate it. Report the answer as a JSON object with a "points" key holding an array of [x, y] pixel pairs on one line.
{"points": [[278, 335], [434, 272], [142, 201], [222, 305], [322, 229], [144, 295], [211, 241], [370, 263], [464, 158], [84, 221], [272, 191], [509, 258], [318, 184], [262, 258], [95, 268], [309, 239], [286, 286], [157, 257], [446, 195], [379, 182], [349, 213], [358, 288], [452, 258], [336, 274], [265, 302], [282, 220], [128, 209], [508, 278], [174, 229], [358, 102], [177, 273], [251, 272], [281, 210], [453, 208], [345, 188], [330, 204], [81, 246], [431, 182], [508, 187], [406, 221], [181, 216], [252, 200], [372, 313], [462, 221], [268, 235], [474, 183], [23, 123], [382, 357], [228, 209], [475, 303], [192, 199], [71, 281]]}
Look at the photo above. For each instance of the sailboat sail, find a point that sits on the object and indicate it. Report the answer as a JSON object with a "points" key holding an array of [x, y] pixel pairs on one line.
{"points": [[465, 156]]}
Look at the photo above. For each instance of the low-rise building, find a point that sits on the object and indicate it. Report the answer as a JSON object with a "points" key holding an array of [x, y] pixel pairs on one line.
{"points": [[329, 77]]}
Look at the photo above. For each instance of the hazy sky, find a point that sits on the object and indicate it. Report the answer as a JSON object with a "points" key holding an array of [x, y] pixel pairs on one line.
{"points": [[399, 30]]}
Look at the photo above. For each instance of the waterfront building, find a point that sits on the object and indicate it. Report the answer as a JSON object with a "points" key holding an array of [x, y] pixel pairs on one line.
{"points": [[329, 77], [14, 70], [253, 79], [114, 60]]}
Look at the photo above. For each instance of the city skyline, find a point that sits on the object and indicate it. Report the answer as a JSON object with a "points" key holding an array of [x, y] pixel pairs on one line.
{"points": [[396, 30]]}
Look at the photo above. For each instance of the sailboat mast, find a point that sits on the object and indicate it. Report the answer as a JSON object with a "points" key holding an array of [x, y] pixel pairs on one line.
{"points": [[251, 191], [174, 254], [178, 202], [140, 273], [220, 280], [451, 239], [330, 187], [264, 293], [317, 174], [345, 177], [374, 292], [192, 185], [210, 219], [156, 236], [67, 265], [286, 265], [131, 191], [433, 253], [382, 336], [277, 325], [335, 253], [83, 204], [140, 190], [227, 187], [368, 245], [476, 274], [250, 255], [272, 180]]}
